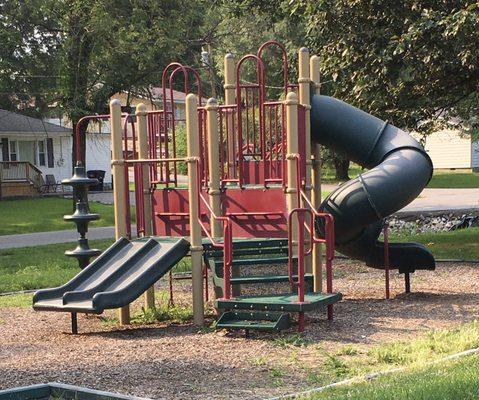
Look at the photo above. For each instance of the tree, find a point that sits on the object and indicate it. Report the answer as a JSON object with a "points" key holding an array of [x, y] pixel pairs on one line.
{"points": [[411, 62], [92, 49], [29, 44]]}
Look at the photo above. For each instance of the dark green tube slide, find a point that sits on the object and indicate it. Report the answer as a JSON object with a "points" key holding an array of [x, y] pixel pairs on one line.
{"points": [[399, 169]]}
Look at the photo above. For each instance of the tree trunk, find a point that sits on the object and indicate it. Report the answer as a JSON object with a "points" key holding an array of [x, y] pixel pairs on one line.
{"points": [[83, 133], [341, 166]]}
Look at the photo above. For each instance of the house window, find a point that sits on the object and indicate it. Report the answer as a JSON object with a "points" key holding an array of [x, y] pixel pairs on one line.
{"points": [[41, 153], [13, 150]]}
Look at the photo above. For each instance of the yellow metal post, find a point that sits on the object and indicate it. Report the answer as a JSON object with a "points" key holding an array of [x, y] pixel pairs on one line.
{"points": [[292, 150], [214, 191], [316, 183], [230, 99], [119, 185], [193, 146], [305, 101], [142, 126]]}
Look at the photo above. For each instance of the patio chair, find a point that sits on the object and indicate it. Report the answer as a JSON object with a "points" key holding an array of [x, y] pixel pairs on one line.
{"points": [[51, 184]]}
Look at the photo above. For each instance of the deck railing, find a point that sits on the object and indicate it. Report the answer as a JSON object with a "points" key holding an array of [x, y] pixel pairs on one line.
{"points": [[21, 171]]}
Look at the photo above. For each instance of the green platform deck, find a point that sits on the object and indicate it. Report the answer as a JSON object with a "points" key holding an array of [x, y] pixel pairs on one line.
{"points": [[279, 302]]}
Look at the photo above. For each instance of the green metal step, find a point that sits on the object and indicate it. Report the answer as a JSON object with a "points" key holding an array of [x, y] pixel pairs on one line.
{"points": [[263, 321], [279, 302], [278, 251], [254, 261], [216, 265], [268, 279], [251, 243]]}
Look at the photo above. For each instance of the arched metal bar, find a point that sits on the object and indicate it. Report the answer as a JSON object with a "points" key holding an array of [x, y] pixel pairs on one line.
{"points": [[274, 43], [79, 157], [259, 84]]}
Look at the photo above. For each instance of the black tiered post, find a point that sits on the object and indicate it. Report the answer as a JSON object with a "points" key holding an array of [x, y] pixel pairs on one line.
{"points": [[81, 217]]}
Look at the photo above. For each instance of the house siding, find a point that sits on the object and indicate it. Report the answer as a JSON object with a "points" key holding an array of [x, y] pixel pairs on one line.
{"points": [[449, 149], [98, 154], [475, 154], [97, 157]]}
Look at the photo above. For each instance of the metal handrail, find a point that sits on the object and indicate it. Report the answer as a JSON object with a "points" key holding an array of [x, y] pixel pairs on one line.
{"points": [[226, 245], [328, 239]]}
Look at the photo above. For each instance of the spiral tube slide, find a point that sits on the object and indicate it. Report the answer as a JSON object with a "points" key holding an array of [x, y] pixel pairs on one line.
{"points": [[399, 169]]}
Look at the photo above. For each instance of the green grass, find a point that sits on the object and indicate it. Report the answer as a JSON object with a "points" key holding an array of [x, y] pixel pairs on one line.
{"points": [[39, 267], [328, 174], [356, 361], [445, 179], [17, 300], [46, 266], [454, 179], [45, 214], [444, 381], [176, 313], [459, 244]]}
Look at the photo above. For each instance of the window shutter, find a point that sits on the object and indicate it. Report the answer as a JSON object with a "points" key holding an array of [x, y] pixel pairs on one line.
{"points": [[50, 152], [5, 150]]}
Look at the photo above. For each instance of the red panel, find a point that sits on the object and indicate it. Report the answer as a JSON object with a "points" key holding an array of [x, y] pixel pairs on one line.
{"points": [[273, 200], [254, 171], [173, 201], [235, 202]]}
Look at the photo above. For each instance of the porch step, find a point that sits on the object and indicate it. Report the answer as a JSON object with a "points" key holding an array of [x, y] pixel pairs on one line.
{"points": [[268, 279], [279, 302], [263, 321]]}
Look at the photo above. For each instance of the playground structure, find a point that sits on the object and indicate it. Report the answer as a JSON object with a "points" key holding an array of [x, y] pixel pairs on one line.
{"points": [[252, 200]]}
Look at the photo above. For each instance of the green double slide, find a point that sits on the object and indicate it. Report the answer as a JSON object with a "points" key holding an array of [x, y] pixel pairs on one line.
{"points": [[117, 277]]}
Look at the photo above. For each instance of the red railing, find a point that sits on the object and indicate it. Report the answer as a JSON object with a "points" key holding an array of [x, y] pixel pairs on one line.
{"points": [[79, 157], [226, 245], [313, 239], [138, 166]]}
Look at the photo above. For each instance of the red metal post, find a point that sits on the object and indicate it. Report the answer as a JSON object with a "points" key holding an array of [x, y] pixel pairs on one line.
{"points": [[386, 258]]}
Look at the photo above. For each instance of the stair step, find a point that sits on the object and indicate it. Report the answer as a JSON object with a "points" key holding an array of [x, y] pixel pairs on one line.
{"points": [[279, 302], [268, 279], [252, 243], [251, 261], [263, 321], [273, 251], [217, 265]]}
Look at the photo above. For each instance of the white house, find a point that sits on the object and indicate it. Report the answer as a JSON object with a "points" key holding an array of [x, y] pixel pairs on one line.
{"points": [[31, 149], [449, 149]]}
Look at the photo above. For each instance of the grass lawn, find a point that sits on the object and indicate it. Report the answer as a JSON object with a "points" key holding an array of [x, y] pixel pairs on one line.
{"points": [[39, 267], [460, 179], [460, 244], [445, 381], [442, 178], [327, 174], [45, 214], [46, 266]]}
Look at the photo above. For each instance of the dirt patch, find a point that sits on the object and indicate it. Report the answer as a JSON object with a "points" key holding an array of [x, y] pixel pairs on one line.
{"points": [[178, 362]]}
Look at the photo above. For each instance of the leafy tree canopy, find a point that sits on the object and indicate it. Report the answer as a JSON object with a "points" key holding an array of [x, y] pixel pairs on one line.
{"points": [[78, 53], [413, 62]]}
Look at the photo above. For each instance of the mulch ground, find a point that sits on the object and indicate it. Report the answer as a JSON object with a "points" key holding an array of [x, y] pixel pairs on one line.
{"points": [[178, 362]]}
